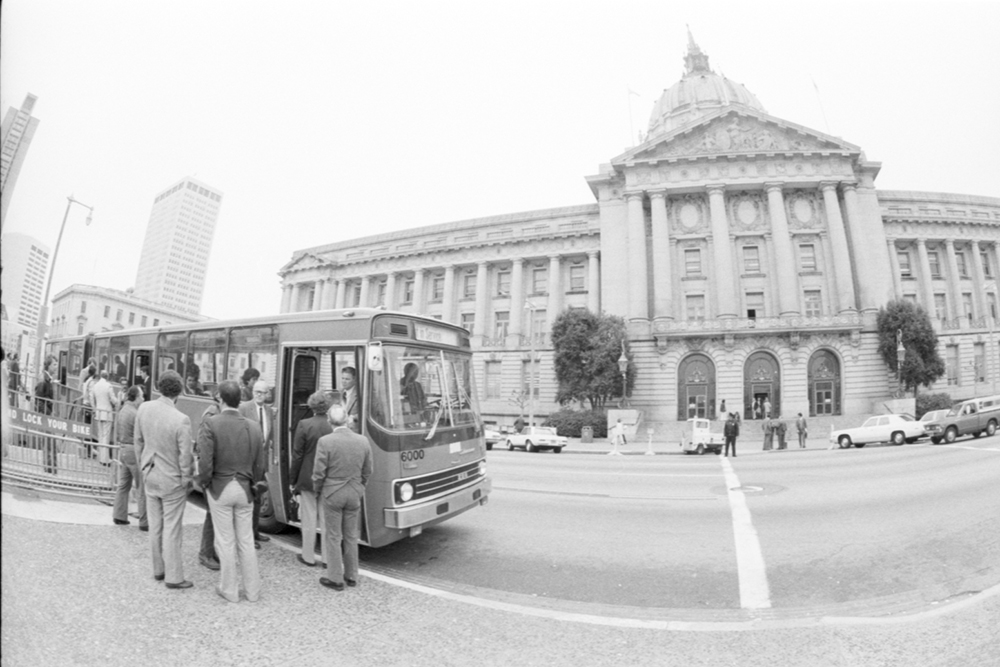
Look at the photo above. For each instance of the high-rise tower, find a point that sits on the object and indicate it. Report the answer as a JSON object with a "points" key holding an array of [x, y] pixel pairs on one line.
{"points": [[17, 130], [177, 246], [25, 267]]}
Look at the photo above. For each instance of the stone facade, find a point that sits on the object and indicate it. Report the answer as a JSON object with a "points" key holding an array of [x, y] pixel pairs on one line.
{"points": [[749, 256]]}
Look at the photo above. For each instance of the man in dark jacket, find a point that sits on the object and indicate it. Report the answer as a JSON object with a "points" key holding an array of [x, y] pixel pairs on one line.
{"points": [[231, 451], [731, 431], [307, 434]]}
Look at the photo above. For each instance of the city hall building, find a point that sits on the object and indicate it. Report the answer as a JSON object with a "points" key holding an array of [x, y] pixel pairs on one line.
{"points": [[749, 256]]}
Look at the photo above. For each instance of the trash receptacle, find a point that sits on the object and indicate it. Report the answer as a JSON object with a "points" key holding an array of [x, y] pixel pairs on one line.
{"points": [[587, 434]]}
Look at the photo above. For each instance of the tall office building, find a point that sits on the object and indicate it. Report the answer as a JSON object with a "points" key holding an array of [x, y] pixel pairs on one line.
{"points": [[25, 263], [17, 130], [177, 246]]}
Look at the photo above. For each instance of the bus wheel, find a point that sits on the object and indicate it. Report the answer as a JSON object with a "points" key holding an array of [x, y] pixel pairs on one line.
{"points": [[268, 522]]}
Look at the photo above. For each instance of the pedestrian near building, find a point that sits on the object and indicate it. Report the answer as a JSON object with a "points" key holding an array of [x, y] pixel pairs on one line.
{"points": [[231, 463], [781, 428], [44, 397], [731, 431], [340, 473], [13, 383], [307, 436], [128, 469], [803, 429], [166, 463], [207, 555], [104, 402], [259, 412], [617, 437], [767, 408], [768, 427]]}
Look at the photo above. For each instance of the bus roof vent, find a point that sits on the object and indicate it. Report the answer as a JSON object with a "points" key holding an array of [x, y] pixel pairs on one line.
{"points": [[399, 329]]}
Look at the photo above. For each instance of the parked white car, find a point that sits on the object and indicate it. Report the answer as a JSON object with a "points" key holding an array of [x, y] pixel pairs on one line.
{"points": [[896, 429], [536, 438], [492, 437]]}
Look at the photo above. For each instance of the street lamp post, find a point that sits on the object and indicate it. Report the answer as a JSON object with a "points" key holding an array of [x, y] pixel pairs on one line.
{"points": [[623, 369], [900, 358], [43, 316]]}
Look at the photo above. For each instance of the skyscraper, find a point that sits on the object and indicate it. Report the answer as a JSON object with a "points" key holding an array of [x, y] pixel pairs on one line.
{"points": [[25, 263], [177, 246], [17, 130]]}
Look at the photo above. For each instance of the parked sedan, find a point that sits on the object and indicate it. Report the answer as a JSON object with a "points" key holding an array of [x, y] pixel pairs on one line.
{"points": [[492, 437], [535, 438], [896, 429]]}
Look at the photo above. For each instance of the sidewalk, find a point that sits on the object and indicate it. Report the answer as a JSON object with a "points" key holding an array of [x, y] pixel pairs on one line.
{"points": [[639, 447]]}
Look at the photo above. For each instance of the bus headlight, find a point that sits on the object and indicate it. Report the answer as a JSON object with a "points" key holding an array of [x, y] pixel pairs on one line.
{"points": [[405, 491], [482, 468]]}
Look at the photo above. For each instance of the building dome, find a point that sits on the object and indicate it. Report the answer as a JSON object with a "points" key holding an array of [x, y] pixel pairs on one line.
{"points": [[698, 93]]}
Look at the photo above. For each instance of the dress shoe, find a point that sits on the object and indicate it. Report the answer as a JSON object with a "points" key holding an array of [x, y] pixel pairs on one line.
{"points": [[351, 582], [144, 529], [183, 584], [256, 545], [263, 538], [121, 522], [330, 583], [210, 563], [158, 577], [304, 561]]}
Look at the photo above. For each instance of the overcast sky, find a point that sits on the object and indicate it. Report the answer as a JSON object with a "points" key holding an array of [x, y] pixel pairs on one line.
{"points": [[327, 121]]}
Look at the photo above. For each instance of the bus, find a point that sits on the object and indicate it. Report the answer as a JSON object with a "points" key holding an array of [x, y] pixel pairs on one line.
{"points": [[428, 447]]}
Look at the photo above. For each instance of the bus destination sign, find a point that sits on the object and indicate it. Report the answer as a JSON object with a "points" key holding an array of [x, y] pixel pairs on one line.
{"points": [[432, 334]]}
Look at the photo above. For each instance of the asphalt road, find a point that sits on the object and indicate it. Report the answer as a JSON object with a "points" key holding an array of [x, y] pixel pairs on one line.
{"points": [[875, 530]]}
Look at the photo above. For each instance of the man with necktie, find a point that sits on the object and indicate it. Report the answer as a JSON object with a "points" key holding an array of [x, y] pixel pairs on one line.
{"points": [[259, 412], [349, 397]]}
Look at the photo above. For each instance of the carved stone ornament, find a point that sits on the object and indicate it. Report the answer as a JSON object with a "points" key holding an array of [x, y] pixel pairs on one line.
{"points": [[747, 211], [803, 210], [729, 341], [662, 345], [688, 214], [736, 134]]}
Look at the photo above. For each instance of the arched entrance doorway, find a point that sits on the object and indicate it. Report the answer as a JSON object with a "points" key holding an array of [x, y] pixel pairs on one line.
{"points": [[761, 386], [824, 383], [696, 387]]}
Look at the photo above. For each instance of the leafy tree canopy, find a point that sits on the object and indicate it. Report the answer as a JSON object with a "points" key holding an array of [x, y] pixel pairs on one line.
{"points": [[922, 364], [587, 347]]}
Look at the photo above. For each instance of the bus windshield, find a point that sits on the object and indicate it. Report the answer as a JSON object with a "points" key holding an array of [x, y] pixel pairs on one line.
{"points": [[422, 390]]}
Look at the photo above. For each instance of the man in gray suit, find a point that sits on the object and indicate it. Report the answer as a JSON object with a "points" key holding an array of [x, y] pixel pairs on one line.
{"points": [[259, 412], [341, 471], [164, 447]]}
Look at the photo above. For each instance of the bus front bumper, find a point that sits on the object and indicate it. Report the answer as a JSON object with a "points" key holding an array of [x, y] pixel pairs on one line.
{"points": [[439, 509]]}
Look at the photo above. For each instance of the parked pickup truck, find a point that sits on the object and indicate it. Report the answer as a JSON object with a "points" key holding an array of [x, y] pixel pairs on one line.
{"points": [[974, 417]]}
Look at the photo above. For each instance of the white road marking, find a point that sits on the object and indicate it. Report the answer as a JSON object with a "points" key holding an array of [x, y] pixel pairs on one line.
{"points": [[755, 593]]}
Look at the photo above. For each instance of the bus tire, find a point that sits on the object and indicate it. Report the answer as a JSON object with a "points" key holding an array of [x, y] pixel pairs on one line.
{"points": [[268, 523]]}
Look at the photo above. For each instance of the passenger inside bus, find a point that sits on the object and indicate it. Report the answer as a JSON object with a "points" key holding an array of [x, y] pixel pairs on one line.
{"points": [[414, 400]]}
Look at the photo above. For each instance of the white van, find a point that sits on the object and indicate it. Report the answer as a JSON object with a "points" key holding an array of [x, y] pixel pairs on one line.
{"points": [[975, 417]]}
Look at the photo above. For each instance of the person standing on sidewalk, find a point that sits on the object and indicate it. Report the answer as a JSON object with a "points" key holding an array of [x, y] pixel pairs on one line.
{"points": [[259, 412], [104, 401], [231, 450], [166, 463], [206, 554], [803, 428], [128, 469], [731, 431], [307, 435]]}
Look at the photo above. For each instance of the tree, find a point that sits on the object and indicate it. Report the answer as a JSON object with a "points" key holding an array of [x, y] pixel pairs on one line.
{"points": [[587, 347], [922, 364]]}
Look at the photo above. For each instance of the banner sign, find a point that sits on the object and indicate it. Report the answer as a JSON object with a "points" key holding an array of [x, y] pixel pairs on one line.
{"points": [[38, 422]]}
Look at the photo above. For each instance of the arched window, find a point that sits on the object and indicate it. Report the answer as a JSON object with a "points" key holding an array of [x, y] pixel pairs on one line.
{"points": [[761, 386], [824, 384], [696, 387]]}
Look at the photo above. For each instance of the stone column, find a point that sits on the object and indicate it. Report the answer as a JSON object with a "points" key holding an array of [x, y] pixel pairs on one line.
{"points": [[448, 302], [555, 289], [663, 303], [419, 306], [317, 296], [725, 286], [294, 306], [286, 298], [341, 293], [390, 291], [365, 289], [637, 290], [789, 294], [954, 287], [870, 278], [897, 282], [842, 268], [926, 280], [482, 299], [593, 282], [979, 277], [517, 298]]}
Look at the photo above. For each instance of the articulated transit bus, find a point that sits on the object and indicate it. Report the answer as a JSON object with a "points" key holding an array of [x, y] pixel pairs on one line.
{"points": [[427, 442]]}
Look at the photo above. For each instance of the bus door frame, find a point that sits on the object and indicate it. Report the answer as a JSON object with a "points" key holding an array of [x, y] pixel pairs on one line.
{"points": [[133, 366]]}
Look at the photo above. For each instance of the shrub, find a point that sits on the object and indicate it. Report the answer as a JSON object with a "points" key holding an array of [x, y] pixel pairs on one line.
{"points": [[928, 402], [570, 423]]}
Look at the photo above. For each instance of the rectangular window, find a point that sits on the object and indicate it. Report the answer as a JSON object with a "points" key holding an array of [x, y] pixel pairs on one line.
{"points": [[807, 256], [83, 307], [692, 262], [967, 304], [751, 259], [755, 304], [932, 258], [991, 299], [940, 307], [355, 300], [539, 280], [118, 317], [529, 378], [256, 348], [814, 303], [131, 318], [951, 364], [79, 329], [468, 321], [695, 307], [156, 322], [469, 286], [539, 325], [380, 293], [905, 270], [142, 323], [493, 385], [501, 322], [963, 267], [979, 361], [437, 288], [987, 266], [170, 351], [577, 273], [408, 290], [503, 283], [107, 311]]}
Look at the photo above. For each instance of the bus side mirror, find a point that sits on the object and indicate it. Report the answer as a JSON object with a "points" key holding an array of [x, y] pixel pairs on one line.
{"points": [[375, 357]]}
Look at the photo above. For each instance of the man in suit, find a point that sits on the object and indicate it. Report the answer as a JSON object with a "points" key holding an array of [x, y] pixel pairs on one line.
{"points": [[128, 470], [166, 462], [349, 397], [104, 400], [340, 473], [231, 450], [259, 412], [307, 435]]}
